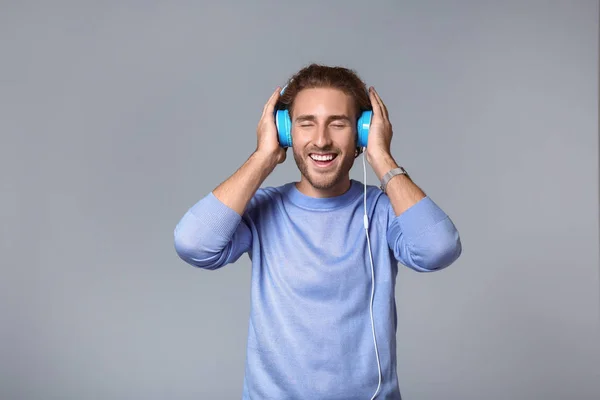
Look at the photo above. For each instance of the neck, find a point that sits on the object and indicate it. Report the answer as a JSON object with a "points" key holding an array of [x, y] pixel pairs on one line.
{"points": [[339, 188]]}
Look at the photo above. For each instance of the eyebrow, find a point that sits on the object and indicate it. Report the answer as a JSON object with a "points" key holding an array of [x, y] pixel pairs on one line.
{"points": [[306, 117]]}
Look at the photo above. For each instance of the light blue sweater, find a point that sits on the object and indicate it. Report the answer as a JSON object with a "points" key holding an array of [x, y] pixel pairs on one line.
{"points": [[309, 334]]}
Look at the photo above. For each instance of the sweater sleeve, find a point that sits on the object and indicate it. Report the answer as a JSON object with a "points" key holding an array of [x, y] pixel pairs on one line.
{"points": [[211, 235], [423, 237]]}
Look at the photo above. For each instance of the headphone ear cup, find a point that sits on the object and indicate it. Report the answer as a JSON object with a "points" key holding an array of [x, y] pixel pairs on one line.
{"points": [[284, 128], [362, 128]]}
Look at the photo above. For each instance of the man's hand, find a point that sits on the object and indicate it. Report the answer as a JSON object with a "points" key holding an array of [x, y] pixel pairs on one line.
{"points": [[267, 140], [401, 190], [378, 151], [380, 132]]}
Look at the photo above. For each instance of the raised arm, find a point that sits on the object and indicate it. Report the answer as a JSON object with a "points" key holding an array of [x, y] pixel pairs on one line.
{"points": [[420, 234], [212, 232], [237, 191]]}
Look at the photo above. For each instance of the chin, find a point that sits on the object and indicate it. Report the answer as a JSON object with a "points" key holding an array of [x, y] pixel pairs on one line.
{"points": [[324, 178], [323, 183]]}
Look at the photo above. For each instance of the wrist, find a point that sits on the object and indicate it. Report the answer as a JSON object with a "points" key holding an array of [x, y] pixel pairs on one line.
{"points": [[266, 161], [382, 163]]}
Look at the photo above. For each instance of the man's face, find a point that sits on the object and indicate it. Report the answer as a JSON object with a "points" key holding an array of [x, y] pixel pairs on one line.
{"points": [[324, 139]]}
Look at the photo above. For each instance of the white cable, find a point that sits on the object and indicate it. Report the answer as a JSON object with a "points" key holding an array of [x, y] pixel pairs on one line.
{"points": [[366, 223]]}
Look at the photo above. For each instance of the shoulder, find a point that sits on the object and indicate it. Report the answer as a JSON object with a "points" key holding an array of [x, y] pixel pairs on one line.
{"points": [[379, 206], [378, 200], [378, 203], [267, 198]]}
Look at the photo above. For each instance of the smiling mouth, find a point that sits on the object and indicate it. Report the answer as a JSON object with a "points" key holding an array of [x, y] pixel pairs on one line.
{"points": [[323, 159]]}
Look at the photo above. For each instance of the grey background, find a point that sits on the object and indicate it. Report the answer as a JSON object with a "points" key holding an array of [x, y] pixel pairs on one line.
{"points": [[115, 117]]}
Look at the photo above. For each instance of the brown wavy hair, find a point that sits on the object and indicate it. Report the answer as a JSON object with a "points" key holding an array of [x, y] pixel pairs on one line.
{"points": [[323, 76]]}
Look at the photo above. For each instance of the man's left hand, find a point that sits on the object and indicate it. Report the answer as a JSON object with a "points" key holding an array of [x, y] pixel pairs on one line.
{"points": [[378, 151]]}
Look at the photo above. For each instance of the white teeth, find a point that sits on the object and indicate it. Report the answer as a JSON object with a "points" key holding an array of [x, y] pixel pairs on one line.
{"points": [[318, 157]]}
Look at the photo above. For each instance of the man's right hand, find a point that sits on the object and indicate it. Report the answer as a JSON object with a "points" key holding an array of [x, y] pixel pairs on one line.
{"points": [[267, 138]]}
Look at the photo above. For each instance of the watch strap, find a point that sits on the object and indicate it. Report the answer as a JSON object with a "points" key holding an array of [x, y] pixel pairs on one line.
{"points": [[389, 175]]}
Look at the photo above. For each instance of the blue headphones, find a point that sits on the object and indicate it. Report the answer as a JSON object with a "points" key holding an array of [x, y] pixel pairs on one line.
{"points": [[284, 127]]}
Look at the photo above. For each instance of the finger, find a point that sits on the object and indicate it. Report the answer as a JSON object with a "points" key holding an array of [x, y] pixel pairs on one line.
{"points": [[381, 105], [270, 105], [377, 111], [271, 102]]}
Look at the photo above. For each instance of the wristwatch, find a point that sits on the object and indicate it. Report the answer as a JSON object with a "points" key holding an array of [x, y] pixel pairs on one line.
{"points": [[389, 175]]}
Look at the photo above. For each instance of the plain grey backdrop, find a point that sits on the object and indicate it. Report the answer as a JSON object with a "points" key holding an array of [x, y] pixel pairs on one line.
{"points": [[116, 117]]}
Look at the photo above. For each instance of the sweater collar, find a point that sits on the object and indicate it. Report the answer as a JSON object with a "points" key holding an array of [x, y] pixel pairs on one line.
{"points": [[322, 203]]}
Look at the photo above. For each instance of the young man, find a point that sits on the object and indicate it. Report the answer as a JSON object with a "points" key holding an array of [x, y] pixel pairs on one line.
{"points": [[320, 328]]}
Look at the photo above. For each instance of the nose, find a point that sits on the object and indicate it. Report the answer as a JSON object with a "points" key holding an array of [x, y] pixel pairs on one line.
{"points": [[323, 138]]}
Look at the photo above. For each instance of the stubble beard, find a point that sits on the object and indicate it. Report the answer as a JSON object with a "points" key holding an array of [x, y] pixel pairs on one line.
{"points": [[323, 181]]}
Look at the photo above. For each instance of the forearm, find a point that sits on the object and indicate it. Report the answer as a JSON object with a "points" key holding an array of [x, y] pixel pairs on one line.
{"points": [[401, 190], [239, 188], [421, 235], [212, 232]]}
